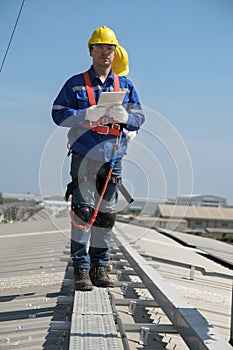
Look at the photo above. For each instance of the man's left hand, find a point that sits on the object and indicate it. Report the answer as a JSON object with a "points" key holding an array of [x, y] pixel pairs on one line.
{"points": [[119, 113]]}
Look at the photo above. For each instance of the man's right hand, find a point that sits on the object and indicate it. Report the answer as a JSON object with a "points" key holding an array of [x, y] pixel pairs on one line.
{"points": [[94, 113]]}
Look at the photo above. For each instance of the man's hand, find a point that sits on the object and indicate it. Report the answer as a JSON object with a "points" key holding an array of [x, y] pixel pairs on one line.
{"points": [[119, 113], [94, 113], [130, 135]]}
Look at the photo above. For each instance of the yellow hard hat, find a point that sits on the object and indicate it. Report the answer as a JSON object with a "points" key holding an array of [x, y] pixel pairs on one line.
{"points": [[120, 64], [103, 35]]}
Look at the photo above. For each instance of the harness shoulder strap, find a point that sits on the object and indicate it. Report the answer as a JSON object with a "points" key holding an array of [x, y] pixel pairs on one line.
{"points": [[116, 83], [89, 88]]}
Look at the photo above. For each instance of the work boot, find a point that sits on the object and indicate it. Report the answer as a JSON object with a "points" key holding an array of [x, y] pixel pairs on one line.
{"points": [[99, 276], [82, 279]]}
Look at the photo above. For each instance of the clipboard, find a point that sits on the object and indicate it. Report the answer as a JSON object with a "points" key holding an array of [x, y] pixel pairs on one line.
{"points": [[109, 99]]}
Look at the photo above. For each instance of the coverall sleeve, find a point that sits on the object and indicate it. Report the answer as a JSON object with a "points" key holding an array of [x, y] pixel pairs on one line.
{"points": [[65, 111], [135, 113]]}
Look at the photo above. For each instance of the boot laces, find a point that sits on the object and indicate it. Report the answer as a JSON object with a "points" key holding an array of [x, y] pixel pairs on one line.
{"points": [[102, 271], [83, 273]]}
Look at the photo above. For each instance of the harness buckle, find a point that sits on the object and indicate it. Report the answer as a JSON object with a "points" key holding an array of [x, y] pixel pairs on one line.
{"points": [[93, 124], [116, 126], [104, 130], [104, 120]]}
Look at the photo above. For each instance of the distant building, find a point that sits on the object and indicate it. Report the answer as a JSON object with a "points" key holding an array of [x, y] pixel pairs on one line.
{"points": [[144, 206], [204, 200], [210, 219], [23, 196]]}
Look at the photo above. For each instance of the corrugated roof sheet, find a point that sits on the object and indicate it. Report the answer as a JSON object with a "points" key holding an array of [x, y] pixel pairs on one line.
{"points": [[31, 276], [194, 212]]}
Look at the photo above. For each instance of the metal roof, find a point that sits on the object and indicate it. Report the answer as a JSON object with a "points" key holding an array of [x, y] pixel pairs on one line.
{"points": [[210, 294], [193, 212], [32, 272], [191, 196], [31, 276], [216, 249]]}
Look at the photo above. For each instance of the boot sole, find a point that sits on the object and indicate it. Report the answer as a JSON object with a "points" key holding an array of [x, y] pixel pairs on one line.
{"points": [[100, 285], [83, 287]]}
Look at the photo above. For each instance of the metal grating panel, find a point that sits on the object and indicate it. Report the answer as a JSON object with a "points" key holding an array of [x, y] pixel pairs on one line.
{"points": [[93, 332], [93, 325], [93, 302]]}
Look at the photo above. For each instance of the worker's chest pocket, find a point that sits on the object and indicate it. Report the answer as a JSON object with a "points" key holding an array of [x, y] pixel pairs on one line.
{"points": [[82, 99]]}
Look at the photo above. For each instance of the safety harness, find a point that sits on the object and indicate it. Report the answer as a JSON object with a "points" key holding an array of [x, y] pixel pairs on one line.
{"points": [[114, 130]]}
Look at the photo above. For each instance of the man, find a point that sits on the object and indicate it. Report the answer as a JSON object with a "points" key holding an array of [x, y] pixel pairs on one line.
{"points": [[96, 133]]}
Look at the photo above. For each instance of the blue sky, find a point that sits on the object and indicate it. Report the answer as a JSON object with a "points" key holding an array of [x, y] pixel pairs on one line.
{"points": [[181, 56]]}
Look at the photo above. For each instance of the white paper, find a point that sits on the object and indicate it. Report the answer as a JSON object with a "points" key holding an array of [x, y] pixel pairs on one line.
{"points": [[108, 99]]}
